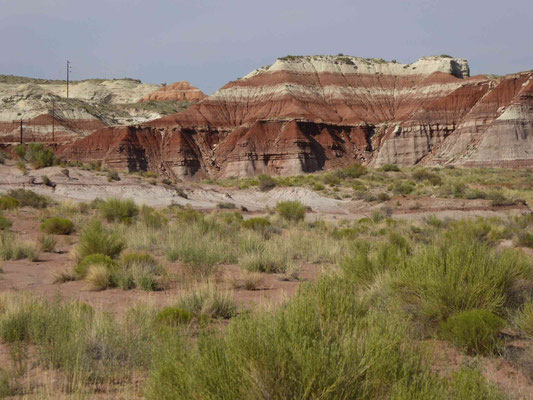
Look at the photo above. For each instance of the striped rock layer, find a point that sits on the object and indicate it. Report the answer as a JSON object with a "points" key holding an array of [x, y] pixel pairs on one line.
{"points": [[304, 114]]}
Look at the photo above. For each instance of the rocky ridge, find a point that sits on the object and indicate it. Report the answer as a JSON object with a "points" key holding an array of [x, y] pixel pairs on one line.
{"points": [[92, 104], [303, 114]]}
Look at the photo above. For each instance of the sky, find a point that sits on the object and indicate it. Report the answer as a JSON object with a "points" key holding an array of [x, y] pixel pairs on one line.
{"points": [[210, 43]]}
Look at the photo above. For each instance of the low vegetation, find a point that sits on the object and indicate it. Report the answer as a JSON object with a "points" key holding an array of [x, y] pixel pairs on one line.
{"points": [[378, 297]]}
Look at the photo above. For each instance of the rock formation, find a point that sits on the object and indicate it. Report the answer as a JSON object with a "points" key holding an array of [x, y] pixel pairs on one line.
{"points": [[304, 114], [178, 91]]}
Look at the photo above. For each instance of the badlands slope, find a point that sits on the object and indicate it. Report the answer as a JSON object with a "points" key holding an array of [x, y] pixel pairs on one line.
{"points": [[92, 104], [303, 114]]}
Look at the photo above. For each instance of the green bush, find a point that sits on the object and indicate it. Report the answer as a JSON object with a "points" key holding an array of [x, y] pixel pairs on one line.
{"points": [[117, 210], [457, 276], [475, 331], [39, 156], [113, 176], [173, 316], [8, 203], [353, 171], [423, 175], [57, 226], [291, 210], [266, 182], [403, 188], [390, 168], [323, 344], [85, 264], [151, 217], [28, 198], [95, 239]]}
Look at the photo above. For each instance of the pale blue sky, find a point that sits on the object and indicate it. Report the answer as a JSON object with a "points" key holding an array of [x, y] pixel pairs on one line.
{"points": [[212, 42]]}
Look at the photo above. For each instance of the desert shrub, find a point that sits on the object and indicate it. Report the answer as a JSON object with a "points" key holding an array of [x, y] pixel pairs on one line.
{"points": [[498, 199], [88, 346], [117, 210], [383, 196], [457, 276], [249, 281], [173, 316], [226, 205], [525, 240], [403, 188], [28, 198], [318, 187], [57, 226], [87, 262], [47, 243], [353, 171], [166, 181], [39, 156], [21, 166], [95, 239], [8, 203], [137, 269], [389, 168], [266, 182], [256, 223], [291, 210], [8, 387], [263, 261], [476, 331], [188, 214], [20, 151], [331, 179], [207, 301], [322, 344], [5, 223], [423, 175]]}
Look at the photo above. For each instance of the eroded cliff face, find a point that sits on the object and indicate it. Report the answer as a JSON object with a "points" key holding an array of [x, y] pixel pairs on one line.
{"points": [[304, 114]]}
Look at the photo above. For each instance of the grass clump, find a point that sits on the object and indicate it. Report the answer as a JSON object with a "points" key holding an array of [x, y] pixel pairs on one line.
{"points": [[8, 203], [95, 239], [256, 223], [57, 226], [526, 240], [36, 154], [390, 168], [475, 331], [525, 319], [99, 277], [28, 198], [47, 243], [10, 249], [84, 265], [5, 223], [207, 301], [291, 210], [226, 205], [173, 316], [117, 210]]}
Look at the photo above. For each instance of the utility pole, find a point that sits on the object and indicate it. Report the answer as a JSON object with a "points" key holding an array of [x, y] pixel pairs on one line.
{"points": [[21, 131], [53, 121], [68, 74]]}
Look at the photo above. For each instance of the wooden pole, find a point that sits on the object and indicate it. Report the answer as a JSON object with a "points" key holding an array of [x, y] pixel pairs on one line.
{"points": [[21, 142]]}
